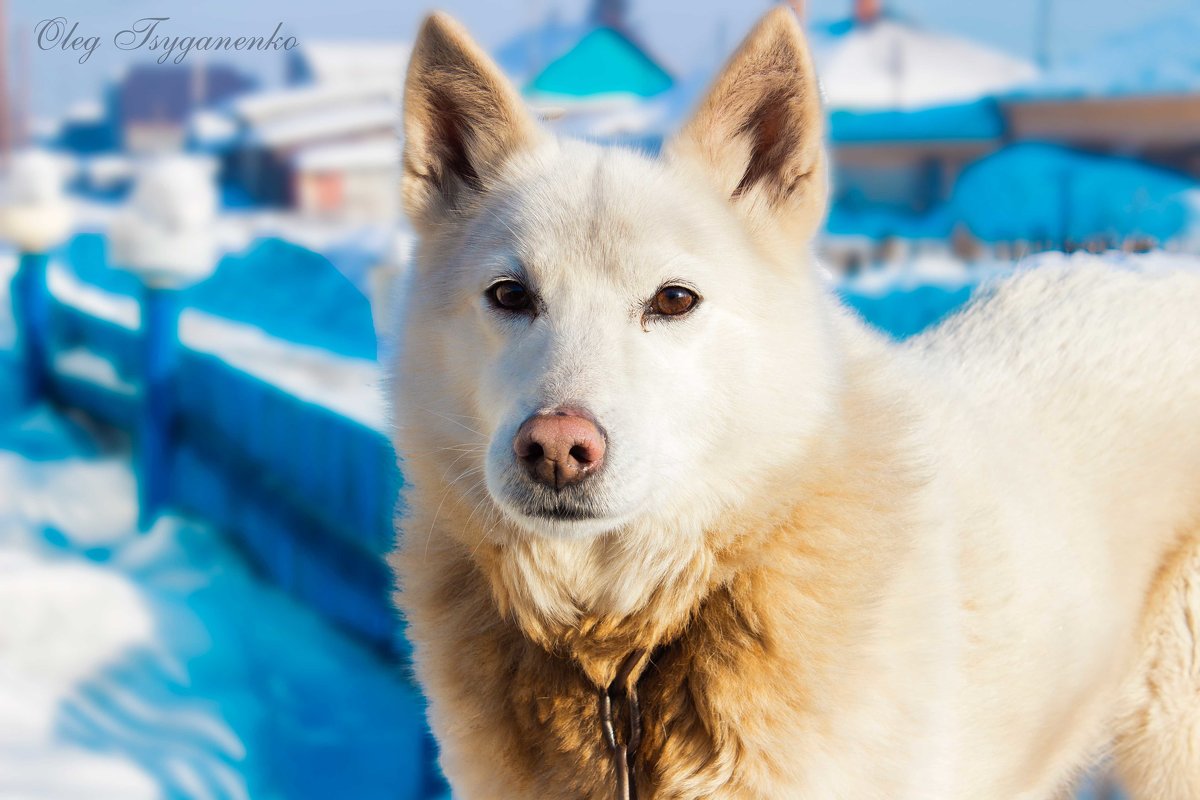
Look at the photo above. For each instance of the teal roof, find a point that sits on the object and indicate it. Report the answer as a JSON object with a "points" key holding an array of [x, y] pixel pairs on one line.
{"points": [[602, 62]]}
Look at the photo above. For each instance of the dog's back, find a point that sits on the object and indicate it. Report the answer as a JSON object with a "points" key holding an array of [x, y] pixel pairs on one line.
{"points": [[1091, 365], [1076, 403]]}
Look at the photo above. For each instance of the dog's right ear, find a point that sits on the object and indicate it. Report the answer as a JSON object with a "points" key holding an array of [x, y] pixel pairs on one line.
{"points": [[462, 121], [759, 134]]}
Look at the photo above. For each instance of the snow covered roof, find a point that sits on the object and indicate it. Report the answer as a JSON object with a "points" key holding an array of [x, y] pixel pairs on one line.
{"points": [[86, 111], [262, 107], [376, 153], [1161, 57], [319, 114], [892, 64], [368, 118], [348, 62], [212, 128], [108, 170]]}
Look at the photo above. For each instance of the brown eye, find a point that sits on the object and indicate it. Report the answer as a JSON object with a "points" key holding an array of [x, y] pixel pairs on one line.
{"points": [[671, 301], [510, 296]]}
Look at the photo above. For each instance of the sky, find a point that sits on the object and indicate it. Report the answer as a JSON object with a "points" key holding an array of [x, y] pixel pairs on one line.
{"points": [[685, 34]]}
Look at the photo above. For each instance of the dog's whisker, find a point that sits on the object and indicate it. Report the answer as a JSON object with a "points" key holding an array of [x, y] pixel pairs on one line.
{"points": [[450, 419], [445, 493]]}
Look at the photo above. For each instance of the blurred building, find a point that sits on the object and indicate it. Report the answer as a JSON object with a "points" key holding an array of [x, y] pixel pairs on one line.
{"points": [[910, 107], [151, 105], [1137, 95], [87, 128], [595, 78], [325, 144], [909, 160]]}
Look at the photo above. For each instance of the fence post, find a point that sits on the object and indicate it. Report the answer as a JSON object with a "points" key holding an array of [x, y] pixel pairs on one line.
{"points": [[36, 217], [31, 319], [165, 237], [156, 422]]}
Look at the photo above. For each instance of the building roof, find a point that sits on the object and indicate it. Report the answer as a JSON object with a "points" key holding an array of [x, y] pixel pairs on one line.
{"points": [[894, 64], [604, 62], [364, 119], [265, 107]]}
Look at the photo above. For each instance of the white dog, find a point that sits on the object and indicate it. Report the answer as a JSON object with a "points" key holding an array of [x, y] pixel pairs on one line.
{"points": [[680, 526]]}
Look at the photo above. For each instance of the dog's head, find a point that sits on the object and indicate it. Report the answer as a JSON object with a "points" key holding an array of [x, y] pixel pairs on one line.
{"points": [[594, 337]]}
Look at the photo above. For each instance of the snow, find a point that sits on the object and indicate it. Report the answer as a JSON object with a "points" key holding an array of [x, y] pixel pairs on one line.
{"points": [[84, 365], [34, 212], [213, 128], [108, 171], [177, 192], [923, 269], [118, 309], [158, 665], [894, 65], [607, 116], [86, 111], [36, 177], [942, 270], [166, 232]]}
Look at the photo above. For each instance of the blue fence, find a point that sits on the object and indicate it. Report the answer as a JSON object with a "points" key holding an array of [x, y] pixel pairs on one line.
{"points": [[307, 492]]}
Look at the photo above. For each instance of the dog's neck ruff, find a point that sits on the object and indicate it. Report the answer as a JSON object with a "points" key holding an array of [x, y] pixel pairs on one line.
{"points": [[624, 754]]}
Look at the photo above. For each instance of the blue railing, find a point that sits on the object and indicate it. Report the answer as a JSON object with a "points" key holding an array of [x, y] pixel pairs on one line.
{"points": [[309, 493]]}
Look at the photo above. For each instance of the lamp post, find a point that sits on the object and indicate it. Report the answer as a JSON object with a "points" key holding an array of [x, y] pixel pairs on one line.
{"points": [[165, 237], [35, 215]]}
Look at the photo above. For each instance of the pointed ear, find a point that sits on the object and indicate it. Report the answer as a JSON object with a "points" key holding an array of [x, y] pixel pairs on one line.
{"points": [[462, 121], [759, 134]]}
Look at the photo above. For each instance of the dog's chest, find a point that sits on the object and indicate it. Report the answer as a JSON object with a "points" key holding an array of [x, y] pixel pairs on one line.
{"points": [[559, 718]]}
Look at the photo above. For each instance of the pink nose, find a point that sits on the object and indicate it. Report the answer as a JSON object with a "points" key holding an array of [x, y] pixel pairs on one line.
{"points": [[559, 448]]}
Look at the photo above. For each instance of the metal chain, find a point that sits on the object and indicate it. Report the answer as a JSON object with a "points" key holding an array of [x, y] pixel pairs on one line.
{"points": [[623, 754]]}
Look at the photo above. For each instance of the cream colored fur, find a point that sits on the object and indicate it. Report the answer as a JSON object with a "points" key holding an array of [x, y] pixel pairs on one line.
{"points": [[963, 567]]}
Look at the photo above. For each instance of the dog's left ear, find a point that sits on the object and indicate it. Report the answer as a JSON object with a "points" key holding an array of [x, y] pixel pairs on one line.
{"points": [[759, 134]]}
